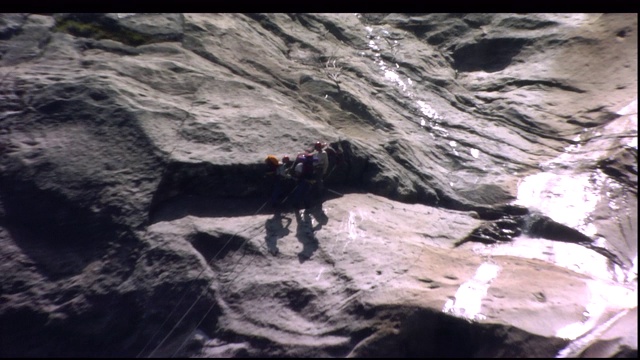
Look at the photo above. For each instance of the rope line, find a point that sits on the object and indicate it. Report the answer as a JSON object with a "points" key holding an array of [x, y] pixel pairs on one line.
{"points": [[214, 304], [164, 171], [287, 197], [203, 292]]}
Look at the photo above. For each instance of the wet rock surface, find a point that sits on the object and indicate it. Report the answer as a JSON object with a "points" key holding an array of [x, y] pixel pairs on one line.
{"points": [[484, 202]]}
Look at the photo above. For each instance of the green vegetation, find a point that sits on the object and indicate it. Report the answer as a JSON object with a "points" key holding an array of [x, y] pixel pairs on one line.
{"points": [[97, 30]]}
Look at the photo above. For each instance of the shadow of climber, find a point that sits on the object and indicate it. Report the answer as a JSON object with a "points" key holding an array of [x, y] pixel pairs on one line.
{"points": [[276, 230], [317, 213], [304, 233]]}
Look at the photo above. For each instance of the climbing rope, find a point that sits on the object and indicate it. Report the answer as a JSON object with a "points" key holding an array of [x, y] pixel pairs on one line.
{"points": [[164, 171], [213, 304], [184, 294]]}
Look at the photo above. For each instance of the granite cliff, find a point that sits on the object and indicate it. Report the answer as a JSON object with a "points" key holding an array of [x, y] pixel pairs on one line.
{"points": [[484, 204]]}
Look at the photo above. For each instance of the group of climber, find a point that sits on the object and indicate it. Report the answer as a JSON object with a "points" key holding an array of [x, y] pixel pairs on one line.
{"points": [[297, 179]]}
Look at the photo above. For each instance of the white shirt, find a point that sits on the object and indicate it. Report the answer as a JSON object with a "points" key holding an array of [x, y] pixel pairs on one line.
{"points": [[281, 170], [323, 160]]}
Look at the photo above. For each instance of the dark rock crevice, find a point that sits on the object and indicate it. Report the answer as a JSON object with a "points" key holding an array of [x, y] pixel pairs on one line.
{"points": [[210, 180], [520, 121], [110, 46], [193, 44], [592, 117], [216, 246], [534, 225], [509, 85], [488, 55], [434, 28], [523, 23], [99, 26], [339, 33], [11, 25], [428, 334], [270, 25], [351, 105], [623, 167]]}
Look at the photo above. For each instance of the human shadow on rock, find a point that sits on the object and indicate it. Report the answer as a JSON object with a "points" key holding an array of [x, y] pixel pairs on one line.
{"points": [[304, 234], [317, 212], [276, 230]]}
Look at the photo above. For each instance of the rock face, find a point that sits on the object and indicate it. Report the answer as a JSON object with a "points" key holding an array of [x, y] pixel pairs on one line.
{"points": [[483, 201]]}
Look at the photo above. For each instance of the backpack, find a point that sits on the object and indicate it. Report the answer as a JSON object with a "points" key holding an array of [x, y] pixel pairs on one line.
{"points": [[307, 168]]}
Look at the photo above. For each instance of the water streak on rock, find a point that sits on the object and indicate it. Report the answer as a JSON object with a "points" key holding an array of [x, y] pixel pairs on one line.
{"points": [[467, 302]]}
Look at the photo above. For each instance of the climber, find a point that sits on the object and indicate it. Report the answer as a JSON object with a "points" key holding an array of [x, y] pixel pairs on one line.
{"points": [[284, 170], [284, 174], [321, 164], [275, 177], [272, 164], [305, 179]]}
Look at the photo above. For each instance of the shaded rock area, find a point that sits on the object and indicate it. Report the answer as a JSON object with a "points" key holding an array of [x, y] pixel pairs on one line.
{"points": [[482, 202]]}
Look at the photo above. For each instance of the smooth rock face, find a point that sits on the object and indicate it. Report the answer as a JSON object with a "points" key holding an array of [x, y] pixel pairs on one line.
{"points": [[483, 203]]}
